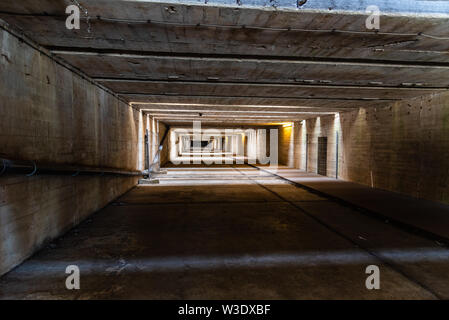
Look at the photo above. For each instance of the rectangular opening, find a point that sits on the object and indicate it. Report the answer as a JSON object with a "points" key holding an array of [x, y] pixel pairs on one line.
{"points": [[322, 156], [202, 144]]}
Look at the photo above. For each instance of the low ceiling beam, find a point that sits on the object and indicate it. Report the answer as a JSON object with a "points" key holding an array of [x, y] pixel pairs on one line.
{"points": [[196, 107], [127, 54], [261, 97], [224, 112], [296, 83]]}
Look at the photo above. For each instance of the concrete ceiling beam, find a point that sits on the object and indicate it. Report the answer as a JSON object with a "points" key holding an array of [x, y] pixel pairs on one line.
{"points": [[411, 30], [317, 55], [184, 107], [264, 70], [327, 104], [255, 89], [298, 83], [125, 94]]}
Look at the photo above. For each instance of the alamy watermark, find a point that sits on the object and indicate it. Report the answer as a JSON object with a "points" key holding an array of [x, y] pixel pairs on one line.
{"points": [[373, 280], [373, 20], [73, 21], [72, 282], [224, 146]]}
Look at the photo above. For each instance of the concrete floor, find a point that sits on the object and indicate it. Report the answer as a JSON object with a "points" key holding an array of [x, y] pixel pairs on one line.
{"points": [[231, 233], [429, 217]]}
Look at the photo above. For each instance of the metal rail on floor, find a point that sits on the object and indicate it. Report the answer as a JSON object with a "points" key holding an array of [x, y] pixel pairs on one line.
{"points": [[373, 214], [370, 251]]}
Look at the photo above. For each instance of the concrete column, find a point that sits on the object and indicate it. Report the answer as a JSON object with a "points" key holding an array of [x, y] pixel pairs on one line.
{"points": [[252, 146]]}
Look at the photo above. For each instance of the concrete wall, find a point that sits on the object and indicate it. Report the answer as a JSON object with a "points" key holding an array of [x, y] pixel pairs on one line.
{"points": [[402, 147], [51, 115], [307, 150], [286, 141], [166, 147]]}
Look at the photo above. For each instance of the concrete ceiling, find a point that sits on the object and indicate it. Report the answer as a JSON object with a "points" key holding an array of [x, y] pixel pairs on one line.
{"points": [[248, 60]]}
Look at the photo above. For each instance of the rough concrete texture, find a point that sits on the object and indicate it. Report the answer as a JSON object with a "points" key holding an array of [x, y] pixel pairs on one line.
{"points": [[249, 52], [286, 144], [251, 236], [402, 147], [426, 216], [55, 116], [38, 209], [52, 116], [223, 232]]}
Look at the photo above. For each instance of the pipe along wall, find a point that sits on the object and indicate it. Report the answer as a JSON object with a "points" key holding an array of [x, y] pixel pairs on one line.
{"points": [[51, 115]]}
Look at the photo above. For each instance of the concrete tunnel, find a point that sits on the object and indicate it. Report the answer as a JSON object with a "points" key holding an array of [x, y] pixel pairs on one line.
{"points": [[220, 149]]}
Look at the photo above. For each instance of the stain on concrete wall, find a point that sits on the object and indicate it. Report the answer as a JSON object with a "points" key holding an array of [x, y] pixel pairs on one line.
{"points": [[50, 115], [401, 147]]}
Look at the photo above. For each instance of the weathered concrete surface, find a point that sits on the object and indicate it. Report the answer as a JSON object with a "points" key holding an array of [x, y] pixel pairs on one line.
{"points": [[52, 116], [271, 53], [35, 210], [430, 216], [402, 147], [275, 61], [286, 144], [254, 70], [184, 35], [241, 240]]}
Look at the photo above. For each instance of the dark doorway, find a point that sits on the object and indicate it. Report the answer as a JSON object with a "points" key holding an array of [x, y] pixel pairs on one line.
{"points": [[199, 144], [322, 156]]}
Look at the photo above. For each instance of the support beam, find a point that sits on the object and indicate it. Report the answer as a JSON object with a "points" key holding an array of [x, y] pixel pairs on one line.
{"points": [[262, 97], [131, 54], [296, 83]]}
